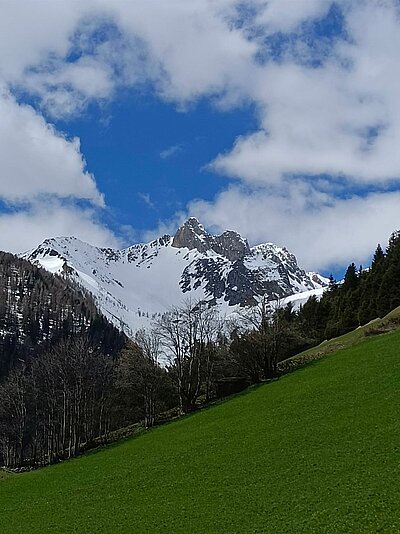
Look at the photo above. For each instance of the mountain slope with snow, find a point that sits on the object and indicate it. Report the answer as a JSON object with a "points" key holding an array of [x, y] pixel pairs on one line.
{"points": [[37, 309], [141, 282]]}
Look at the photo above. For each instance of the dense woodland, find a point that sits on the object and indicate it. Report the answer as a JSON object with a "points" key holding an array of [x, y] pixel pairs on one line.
{"points": [[37, 309], [362, 296], [69, 378]]}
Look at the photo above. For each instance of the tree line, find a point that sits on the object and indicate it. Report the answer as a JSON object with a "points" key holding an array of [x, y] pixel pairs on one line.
{"points": [[73, 396], [63, 401], [363, 295]]}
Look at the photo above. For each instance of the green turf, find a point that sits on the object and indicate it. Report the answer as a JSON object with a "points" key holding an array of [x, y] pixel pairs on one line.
{"points": [[316, 451], [4, 474], [389, 323]]}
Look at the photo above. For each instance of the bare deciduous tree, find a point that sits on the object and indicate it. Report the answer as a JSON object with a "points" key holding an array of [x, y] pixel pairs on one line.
{"points": [[54, 405], [187, 333], [259, 340], [139, 373]]}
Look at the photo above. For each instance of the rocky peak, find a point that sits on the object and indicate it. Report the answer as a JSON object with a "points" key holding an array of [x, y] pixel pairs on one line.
{"points": [[231, 245], [193, 236], [138, 283]]}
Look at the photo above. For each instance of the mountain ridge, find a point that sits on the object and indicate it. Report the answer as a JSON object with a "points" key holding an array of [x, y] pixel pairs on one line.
{"points": [[140, 282]]}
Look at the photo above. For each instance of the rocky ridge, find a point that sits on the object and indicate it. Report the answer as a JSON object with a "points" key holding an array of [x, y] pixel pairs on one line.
{"points": [[133, 285]]}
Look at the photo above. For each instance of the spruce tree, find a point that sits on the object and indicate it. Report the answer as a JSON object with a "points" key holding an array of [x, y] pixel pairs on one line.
{"points": [[378, 257]]}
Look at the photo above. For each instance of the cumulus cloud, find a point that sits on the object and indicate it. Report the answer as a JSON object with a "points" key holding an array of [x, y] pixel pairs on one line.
{"points": [[286, 15], [328, 112], [37, 160], [79, 52], [23, 229], [341, 118], [323, 233], [44, 184], [72, 53], [30, 31]]}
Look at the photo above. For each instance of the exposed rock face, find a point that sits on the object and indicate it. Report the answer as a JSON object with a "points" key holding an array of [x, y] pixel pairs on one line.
{"points": [[139, 283], [233, 282], [191, 235], [229, 244]]}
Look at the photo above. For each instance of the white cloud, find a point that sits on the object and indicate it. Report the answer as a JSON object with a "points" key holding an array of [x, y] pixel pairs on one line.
{"points": [[23, 229], [187, 50], [71, 86], [341, 120], [146, 199], [170, 151], [339, 117], [192, 47], [31, 30], [322, 232], [286, 15], [39, 165], [72, 53], [37, 160]]}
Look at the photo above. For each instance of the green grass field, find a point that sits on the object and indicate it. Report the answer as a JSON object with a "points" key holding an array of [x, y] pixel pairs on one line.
{"points": [[389, 323], [4, 475], [316, 451]]}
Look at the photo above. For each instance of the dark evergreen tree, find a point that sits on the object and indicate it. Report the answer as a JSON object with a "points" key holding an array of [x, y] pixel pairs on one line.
{"points": [[351, 278], [378, 257], [389, 291]]}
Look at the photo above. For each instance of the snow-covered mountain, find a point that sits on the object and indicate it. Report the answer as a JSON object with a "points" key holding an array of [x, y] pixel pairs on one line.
{"points": [[37, 309], [138, 283]]}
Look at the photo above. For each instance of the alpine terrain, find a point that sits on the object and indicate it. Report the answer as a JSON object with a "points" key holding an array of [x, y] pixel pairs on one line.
{"points": [[137, 284]]}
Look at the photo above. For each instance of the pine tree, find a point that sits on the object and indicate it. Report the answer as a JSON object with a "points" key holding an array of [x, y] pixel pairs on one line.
{"points": [[378, 257], [351, 278], [332, 282], [394, 240]]}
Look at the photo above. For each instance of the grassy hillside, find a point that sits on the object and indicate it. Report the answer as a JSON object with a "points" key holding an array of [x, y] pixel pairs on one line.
{"points": [[4, 474], [316, 451], [389, 323]]}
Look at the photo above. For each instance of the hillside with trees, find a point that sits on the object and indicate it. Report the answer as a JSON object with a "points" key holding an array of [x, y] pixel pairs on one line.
{"points": [[314, 452], [70, 380], [363, 295], [38, 309]]}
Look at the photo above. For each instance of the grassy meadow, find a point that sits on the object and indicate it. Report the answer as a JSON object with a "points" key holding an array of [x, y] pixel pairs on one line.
{"points": [[316, 451]]}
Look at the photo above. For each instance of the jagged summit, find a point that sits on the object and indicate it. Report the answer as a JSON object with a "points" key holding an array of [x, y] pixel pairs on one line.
{"points": [[193, 235], [138, 283]]}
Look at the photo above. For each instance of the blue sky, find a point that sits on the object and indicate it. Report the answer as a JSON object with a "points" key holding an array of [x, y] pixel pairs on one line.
{"points": [[276, 118], [150, 159]]}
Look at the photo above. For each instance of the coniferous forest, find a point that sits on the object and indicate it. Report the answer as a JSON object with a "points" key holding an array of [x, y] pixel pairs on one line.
{"points": [[363, 295], [37, 309], [69, 378]]}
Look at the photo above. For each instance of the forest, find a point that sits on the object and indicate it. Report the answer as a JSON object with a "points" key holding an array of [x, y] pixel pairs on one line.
{"points": [[37, 309], [70, 379]]}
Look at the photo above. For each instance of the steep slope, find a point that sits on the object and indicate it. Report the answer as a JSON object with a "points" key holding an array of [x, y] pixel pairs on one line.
{"points": [[136, 284], [37, 309], [316, 451]]}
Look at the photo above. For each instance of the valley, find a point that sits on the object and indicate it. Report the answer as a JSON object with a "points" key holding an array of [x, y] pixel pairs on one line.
{"points": [[316, 451]]}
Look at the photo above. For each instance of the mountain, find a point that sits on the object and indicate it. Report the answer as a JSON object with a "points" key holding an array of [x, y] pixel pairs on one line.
{"points": [[37, 309], [133, 285]]}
